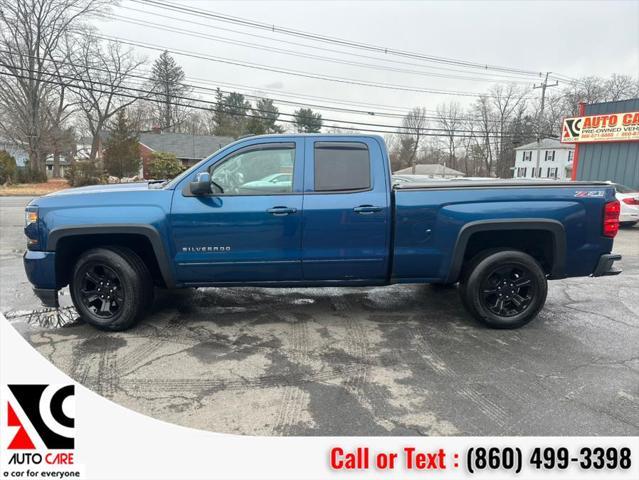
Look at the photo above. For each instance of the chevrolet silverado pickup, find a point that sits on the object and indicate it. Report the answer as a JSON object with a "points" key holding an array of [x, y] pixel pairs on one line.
{"points": [[316, 210]]}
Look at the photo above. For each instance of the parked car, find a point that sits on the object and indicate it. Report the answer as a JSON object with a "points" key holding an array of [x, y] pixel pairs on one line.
{"points": [[340, 222], [629, 201], [275, 182]]}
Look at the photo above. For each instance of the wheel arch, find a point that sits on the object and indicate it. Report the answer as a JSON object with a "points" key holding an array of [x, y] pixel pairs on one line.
{"points": [[105, 235], [550, 227]]}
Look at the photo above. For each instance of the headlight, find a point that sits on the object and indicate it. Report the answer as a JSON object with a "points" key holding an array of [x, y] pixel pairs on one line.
{"points": [[30, 216]]}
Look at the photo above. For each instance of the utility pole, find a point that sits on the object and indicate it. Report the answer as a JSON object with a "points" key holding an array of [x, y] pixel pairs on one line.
{"points": [[543, 87]]}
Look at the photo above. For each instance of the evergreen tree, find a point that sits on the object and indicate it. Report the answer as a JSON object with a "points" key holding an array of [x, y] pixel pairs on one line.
{"points": [[122, 149], [167, 83], [231, 114], [263, 119], [308, 121]]}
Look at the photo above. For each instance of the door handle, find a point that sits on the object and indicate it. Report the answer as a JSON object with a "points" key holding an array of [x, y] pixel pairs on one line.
{"points": [[281, 211], [366, 209]]}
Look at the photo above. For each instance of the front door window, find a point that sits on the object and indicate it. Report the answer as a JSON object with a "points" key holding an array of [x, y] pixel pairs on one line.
{"points": [[263, 171]]}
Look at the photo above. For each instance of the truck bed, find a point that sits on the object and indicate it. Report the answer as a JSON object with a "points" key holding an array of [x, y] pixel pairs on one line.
{"points": [[435, 221]]}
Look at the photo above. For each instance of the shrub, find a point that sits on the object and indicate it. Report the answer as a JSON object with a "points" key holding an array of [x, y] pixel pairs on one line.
{"points": [[164, 166], [8, 168], [122, 149], [83, 173], [28, 175]]}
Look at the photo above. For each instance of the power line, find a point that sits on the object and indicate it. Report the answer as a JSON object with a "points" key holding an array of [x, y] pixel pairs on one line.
{"points": [[396, 130], [325, 107], [306, 45], [342, 80], [146, 79], [191, 33], [256, 97], [333, 40], [191, 99]]}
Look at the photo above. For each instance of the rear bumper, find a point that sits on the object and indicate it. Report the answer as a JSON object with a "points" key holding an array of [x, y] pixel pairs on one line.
{"points": [[40, 269], [605, 265], [629, 217]]}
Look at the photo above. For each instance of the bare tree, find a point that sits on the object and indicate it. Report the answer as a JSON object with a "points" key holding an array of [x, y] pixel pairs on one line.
{"points": [[101, 71], [620, 87], [450, 117], [554, 112], [586, 90], [414, 124], [60, 109], [506, 101], [31, 32], [194, 123], [484, 126]]}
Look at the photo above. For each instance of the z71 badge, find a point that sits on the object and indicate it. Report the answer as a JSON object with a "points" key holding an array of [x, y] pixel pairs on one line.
{"points": [[589, 193]]}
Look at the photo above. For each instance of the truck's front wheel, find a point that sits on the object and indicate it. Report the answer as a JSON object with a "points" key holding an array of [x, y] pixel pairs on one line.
{"points": [[504, 289], [110, 288]]}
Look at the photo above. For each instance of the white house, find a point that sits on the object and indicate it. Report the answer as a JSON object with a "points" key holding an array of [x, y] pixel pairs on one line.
{"points": [[553, 161]]}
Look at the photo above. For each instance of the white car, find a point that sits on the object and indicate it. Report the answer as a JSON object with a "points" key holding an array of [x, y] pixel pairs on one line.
{"points": [[629, 200]]}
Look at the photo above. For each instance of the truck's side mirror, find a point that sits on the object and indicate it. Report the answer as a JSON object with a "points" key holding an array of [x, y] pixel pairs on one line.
{"points": [[202, 184]]}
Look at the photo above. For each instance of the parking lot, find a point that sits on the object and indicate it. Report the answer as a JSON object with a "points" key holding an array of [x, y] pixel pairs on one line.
{"points": [[399, 360]]}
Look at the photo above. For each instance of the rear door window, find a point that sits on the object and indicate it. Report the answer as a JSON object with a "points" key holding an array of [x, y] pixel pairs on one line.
{"points": [[342, 166]]}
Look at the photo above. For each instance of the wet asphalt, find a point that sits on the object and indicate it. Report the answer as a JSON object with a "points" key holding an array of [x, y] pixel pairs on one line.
{"points": [[398, 360]]}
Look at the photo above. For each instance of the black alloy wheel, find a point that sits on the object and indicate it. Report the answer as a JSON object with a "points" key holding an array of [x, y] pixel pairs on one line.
{"points": [[508, 290], [101, 290]]}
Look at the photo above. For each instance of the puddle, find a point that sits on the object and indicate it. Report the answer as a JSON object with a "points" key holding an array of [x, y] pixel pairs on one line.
{"points": [[302, 301], [45, 317]]}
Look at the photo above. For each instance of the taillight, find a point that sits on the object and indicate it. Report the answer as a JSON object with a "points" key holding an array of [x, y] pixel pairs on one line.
{"points": [[611, 218], [631, 200]]}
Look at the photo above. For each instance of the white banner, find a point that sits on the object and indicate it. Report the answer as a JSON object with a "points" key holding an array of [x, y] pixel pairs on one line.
{"points": [[53, 427], [611, 127]]}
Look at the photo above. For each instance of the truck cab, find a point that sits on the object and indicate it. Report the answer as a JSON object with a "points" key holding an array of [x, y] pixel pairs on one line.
{"points": [[330, 221]]}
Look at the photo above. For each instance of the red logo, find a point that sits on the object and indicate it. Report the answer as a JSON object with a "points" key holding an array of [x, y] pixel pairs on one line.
{"points": [[21, 441]]}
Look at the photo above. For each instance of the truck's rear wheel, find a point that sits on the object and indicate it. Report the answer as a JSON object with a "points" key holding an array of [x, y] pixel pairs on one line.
{"points": [[504, 289], [110, 288]]}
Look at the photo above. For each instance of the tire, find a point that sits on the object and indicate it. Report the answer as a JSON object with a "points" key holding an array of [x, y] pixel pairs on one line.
{"points": [[503, 289], [111, 288], [140, 266]]}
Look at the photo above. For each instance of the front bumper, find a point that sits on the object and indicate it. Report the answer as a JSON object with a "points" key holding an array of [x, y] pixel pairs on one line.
{"points": [[40, 269], [605, 264]]}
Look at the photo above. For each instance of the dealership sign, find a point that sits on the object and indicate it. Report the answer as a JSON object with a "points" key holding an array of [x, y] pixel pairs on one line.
{"points": [[611, 127]]}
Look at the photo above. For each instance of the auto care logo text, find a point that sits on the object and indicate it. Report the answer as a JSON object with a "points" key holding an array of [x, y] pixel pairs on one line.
{"points": [[41, 424]]}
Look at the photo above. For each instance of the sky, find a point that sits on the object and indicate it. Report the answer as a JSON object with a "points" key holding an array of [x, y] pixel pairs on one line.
{"points": [[571, 39]]}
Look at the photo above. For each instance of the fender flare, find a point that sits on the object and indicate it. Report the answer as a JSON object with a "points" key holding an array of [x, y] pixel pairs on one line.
{"points": [[146, 231], [548, 225]]}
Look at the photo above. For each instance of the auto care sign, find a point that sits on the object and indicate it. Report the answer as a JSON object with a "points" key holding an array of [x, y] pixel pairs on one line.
{"points": [[610, 127]]}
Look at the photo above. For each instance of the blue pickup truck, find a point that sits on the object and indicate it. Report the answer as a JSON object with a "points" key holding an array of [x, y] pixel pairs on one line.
{"points": [[316, 210]]}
